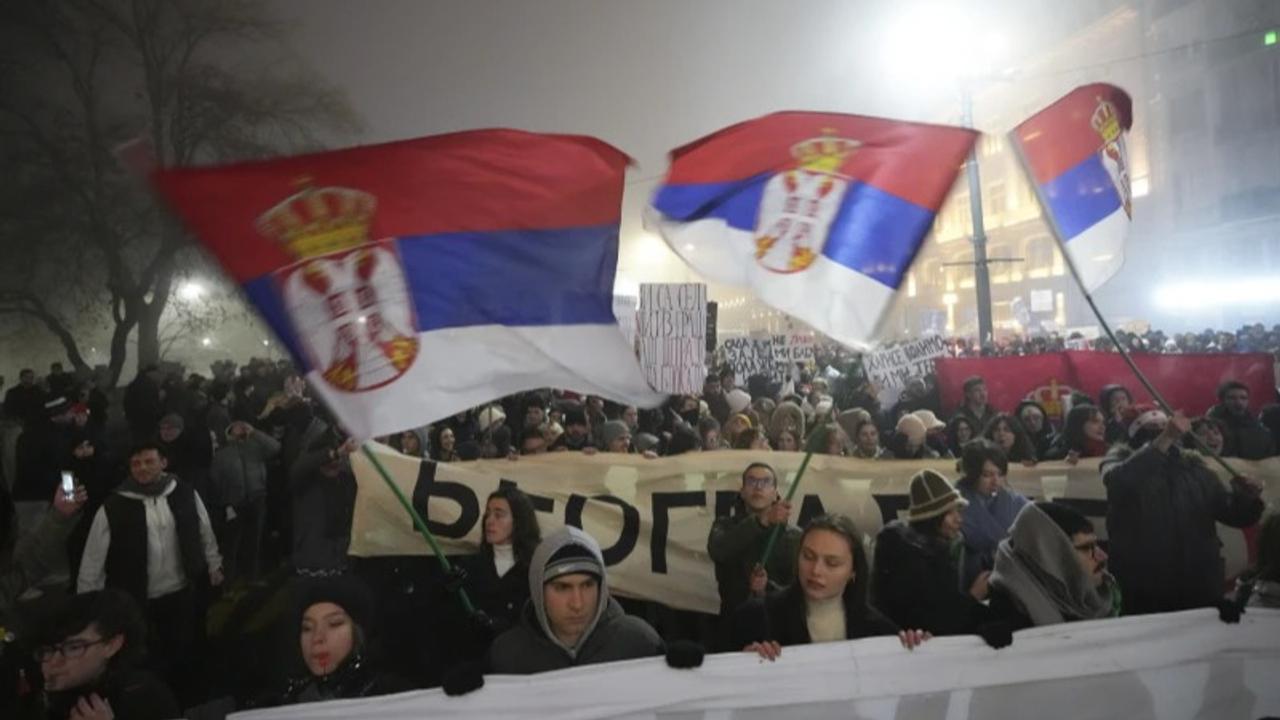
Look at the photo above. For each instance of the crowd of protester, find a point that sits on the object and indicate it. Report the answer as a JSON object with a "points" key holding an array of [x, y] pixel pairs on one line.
{"points": [[219, 509], [1249, 338]]}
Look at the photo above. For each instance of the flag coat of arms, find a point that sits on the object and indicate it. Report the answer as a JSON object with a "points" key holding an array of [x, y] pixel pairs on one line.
{"points": [[819, 214], [417, 279], [1077, 161]]}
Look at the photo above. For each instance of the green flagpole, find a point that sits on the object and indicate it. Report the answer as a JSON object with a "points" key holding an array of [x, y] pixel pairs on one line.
{"points": [[419, 523], [819, 435]]}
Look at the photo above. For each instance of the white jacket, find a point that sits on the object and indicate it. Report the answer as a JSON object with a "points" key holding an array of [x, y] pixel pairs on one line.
{"points": [[164, 560]]}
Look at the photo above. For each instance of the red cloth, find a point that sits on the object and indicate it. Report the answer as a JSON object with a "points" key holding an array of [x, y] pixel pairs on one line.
{"points": [[1188, 382]]}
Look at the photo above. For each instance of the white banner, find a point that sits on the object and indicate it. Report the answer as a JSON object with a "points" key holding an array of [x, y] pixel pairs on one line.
{"points": [[789, 349], [652, 517], [1181, 665], [672, 329]]}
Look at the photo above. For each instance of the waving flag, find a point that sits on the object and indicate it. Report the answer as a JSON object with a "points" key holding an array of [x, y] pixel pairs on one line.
{"points": [[1075, 156], [820, 214], [416, 279]]}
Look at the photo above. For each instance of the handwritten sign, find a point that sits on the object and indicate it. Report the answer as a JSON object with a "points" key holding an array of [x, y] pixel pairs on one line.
{"points": [[671, 327], [892, 367], [789, 349], [749, 356]]}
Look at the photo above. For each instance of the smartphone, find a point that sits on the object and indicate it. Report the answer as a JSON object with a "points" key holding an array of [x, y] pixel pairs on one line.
{"points": [[68, 485]]}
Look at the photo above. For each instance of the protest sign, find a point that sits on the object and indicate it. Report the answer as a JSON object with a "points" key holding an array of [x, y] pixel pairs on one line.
{"points": [[749, 356], [891, 367], [671, 325], [789, 349], [652, 517]]}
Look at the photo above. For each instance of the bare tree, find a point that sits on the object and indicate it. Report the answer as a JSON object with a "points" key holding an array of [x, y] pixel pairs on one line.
{"points": [[86, 248]]}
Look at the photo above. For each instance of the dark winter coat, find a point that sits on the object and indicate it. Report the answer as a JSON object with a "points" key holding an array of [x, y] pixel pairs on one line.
{"points": [[501, 598], [357, 678], [132, 694], [917, 583], [1161, 509], [322, 510], [736, 544], [1244, 436], [525, 649], [781, 616], [43, 451]]}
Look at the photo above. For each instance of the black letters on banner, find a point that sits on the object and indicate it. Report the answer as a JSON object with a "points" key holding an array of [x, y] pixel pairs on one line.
{"points": [[890, 505], [427, 487], [627, 539], [540, 504], [811, 508], [724, 502], [662, 504]]}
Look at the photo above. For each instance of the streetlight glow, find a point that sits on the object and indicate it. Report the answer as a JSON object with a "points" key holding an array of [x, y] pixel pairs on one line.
{"points": [[191, 291], [206, 342]]}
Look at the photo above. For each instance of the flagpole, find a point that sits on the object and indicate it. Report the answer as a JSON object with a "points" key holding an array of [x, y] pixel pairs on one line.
{"points": [[419, 523], [1088, 297], [818, 436]]}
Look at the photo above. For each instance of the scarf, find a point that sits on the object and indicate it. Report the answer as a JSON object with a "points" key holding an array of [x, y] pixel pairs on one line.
{"points": [[1094, 448], [1037, 566], [152, 489]]}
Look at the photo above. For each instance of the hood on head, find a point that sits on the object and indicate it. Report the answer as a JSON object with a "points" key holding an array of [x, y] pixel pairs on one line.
{"points": [[592, 561]]}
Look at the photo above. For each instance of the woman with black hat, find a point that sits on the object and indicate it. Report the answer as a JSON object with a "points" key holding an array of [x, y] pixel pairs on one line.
{"points": [[827, 602], [335, 622], [919, 561]]}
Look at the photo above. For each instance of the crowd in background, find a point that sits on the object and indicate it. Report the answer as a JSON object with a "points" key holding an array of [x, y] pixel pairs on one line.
{"points": [[219, 508]]}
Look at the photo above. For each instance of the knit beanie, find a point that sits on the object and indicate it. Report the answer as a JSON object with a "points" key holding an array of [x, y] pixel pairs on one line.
{"points": [[1136, 416], [345, 591], [932, 495], [738, 400], [613, 430], [491, 416], [173, 420], [570, 559], [912, 427]]}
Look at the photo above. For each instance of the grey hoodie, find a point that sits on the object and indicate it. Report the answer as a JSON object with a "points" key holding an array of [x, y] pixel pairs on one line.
{"points": [[531, 646], [1037, 566]]}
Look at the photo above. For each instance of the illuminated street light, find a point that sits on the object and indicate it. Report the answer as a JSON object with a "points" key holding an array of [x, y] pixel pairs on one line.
{"points": [[191, 291], [206, 342]]}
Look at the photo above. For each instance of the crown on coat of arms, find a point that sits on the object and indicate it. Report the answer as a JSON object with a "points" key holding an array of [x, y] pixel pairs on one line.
{"points": [[824, 154], [318, 221], [1106, 121]]}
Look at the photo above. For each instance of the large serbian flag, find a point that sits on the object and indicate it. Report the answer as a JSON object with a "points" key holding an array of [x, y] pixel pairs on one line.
{"points": [[820, 214], [416, 279], [1074, 152]]}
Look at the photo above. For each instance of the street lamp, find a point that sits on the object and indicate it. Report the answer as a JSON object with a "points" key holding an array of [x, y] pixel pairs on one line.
{"points": [[944, 41]]}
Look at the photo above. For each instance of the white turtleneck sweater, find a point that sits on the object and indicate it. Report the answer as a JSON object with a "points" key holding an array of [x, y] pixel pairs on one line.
{"points": [[825, 619], [504, 558]]}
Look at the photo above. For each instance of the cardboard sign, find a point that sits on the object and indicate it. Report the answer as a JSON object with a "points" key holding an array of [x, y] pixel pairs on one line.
{"points": [[892, 367], [749, 356], [671, 326], [789, 349]]}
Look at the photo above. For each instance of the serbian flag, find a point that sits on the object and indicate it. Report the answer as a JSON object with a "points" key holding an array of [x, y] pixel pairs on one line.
{"points": [[1075, 156], [820, 214], [416, 279]]}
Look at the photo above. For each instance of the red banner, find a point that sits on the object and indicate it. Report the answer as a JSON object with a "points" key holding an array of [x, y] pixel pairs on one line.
{"points": [[1188, 382]]}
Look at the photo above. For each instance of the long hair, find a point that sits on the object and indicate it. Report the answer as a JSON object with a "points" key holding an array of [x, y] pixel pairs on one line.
{"points": [[1022, 448], [855, 593], [953, 433], [525, 533], [1073, 429]]}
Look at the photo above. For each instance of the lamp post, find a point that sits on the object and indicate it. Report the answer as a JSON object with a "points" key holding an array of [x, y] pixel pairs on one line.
{"points": [[981, 275]]}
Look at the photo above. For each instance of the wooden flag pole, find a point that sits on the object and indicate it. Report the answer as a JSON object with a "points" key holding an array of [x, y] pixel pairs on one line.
{"points": [[419, 523], [1088, 297]]}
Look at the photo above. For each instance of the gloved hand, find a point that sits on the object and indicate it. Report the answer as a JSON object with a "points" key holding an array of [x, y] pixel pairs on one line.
{"points": [[996, 634], [455, 579], [1229, 612], [685, 654], [463, 678]]}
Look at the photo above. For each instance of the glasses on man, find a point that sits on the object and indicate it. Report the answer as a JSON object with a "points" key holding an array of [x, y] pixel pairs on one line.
{"points": [[69, 649], [1088, 548], [758, 482]]}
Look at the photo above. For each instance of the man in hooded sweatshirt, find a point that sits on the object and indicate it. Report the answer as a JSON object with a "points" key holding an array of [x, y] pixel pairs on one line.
{"points": [[152, 539], [1050, 570], [570, 619]]}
